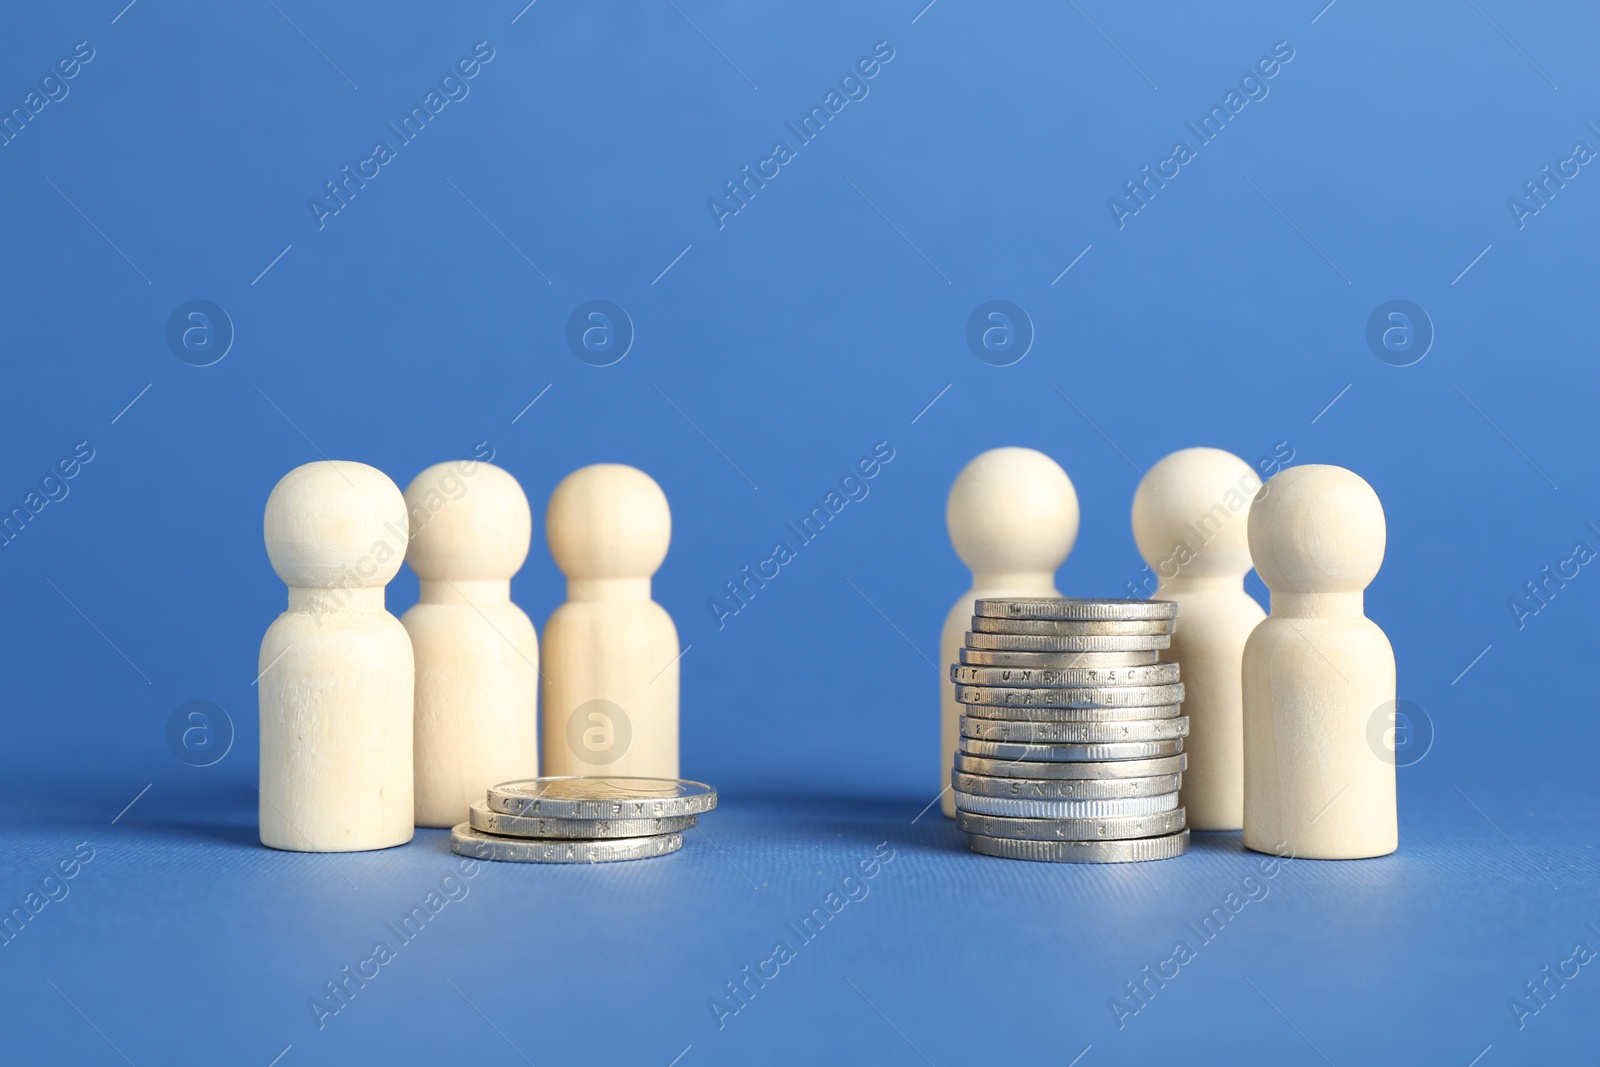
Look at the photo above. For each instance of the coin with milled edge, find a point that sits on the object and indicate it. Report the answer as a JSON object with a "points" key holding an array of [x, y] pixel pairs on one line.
{"points": [[985, 624], [1135, 851], [983, 785], [475, 843], [1074, 608], [1029, 677], [602, 797], [1103, 696], [1074, 733], [1119, 750], [986, 657], [1055, 643], [1014, 807], [1132, 768], [1108, 829], [482, 817], [1014, 713]]}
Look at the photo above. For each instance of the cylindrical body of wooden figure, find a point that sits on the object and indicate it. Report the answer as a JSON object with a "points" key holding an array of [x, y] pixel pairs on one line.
{"points": [[604, 712], [1319, 779], [477, 694], [1209, 649], [336, 668]]}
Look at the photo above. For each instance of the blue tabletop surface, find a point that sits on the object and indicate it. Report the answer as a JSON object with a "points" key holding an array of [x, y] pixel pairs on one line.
{"points": [[182, 940], [166, 158]]}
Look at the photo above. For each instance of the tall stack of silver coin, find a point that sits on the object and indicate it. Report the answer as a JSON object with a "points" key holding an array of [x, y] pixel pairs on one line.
{"points": [[1071, 746], [582, 820]]}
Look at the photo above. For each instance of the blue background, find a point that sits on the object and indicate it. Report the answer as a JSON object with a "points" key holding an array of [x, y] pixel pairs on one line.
{"points": [[770, 354]]}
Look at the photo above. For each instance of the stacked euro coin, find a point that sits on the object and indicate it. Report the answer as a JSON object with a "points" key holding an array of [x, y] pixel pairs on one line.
{"points": [[582, 820], [1071, 746]]}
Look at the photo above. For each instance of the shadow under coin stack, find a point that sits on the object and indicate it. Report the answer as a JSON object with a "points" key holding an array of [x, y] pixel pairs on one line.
{"points": [[1071, 745], [582, 820]]}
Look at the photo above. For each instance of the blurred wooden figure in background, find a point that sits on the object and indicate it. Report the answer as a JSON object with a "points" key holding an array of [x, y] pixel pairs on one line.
{"points": [[1013, 519], [1191, 521], [610, 652], [476, 652]]}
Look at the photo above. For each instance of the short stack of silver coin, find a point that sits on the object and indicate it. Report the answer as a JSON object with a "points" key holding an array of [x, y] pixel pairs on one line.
{"points": [[1071, 746], [582, 820]]}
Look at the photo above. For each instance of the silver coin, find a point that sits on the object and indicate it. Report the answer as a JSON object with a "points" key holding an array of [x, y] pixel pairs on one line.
{"points": [[985, 624], [1031, 677], [1074, 608], [1057, 643], [1118, 750], [983, 785], [475, 843], [1111, 828], [482, 817], [1015, 713], [1132, 768], [984, 657], [602, 798], [1073, 733], [1104, 696], [1013, 807], [1134, 851]]}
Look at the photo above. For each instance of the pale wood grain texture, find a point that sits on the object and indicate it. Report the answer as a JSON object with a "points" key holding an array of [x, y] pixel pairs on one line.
{"points": [[336, 668], [477, 658], [1317, 672], [1191, 521], [1013, 519], [610, 652]]}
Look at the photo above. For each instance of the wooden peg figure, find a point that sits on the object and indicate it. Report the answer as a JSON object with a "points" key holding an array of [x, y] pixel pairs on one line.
{"points": [[1318, 778], [336, 668], [610, 652], [1013, 519], [477, 656], [1191, 521]]}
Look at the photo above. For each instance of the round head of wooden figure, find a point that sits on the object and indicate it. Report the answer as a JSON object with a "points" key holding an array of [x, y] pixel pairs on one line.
{"points": [[470, 521], [608, 521], [1012, 511], [336, 524], [1317, 529], [1190, 514]]}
